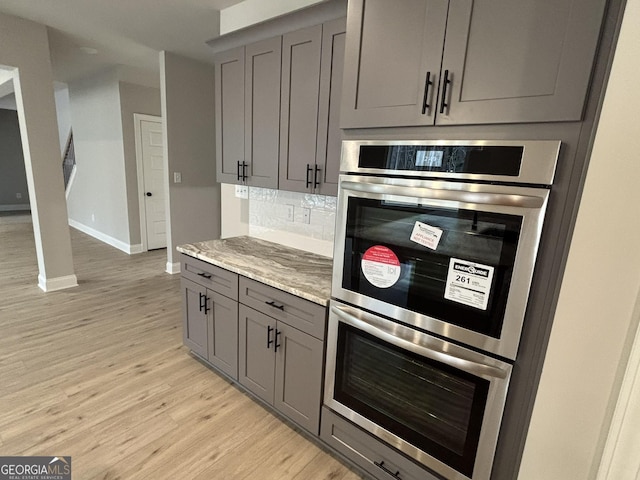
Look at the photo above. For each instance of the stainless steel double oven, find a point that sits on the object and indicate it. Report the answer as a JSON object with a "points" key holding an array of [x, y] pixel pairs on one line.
{"points": [[435, 248]]}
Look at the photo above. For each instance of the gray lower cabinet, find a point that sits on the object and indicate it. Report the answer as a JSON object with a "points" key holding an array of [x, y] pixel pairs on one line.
{"points": [[445, 62], [310, 137], [281, 360], [247, 112], [195, 328], [373, 456], [210, 316]]}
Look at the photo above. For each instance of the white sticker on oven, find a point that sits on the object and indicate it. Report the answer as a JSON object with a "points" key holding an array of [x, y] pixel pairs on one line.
{"points": [[381, 266], [426, 235], [469, 283]]}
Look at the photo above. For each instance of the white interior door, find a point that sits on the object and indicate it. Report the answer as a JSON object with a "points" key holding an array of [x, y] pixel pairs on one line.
{"points": [[154, 175]]}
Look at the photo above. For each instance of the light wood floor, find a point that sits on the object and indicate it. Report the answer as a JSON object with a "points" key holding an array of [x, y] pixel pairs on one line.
{"points": [[99, 372]]}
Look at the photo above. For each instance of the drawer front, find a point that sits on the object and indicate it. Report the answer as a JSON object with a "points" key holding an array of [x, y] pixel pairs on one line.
{"points": [[373, 456], [214, 278], [294, 311]]}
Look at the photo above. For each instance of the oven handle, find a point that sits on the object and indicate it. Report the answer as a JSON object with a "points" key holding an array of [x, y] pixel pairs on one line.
{"points": [[411, 340], [509, 200]]}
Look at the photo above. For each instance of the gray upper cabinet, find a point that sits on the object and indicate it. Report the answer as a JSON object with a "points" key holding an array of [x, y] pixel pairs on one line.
{"points": [[329, 146], [310, 136], [247, 110], [299, 108], [229, 113], [390, 48], [262, 112], [501, 61]]}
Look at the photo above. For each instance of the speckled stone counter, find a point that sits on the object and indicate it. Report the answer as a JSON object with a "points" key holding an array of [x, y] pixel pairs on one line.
{"points": [[300, 273]]}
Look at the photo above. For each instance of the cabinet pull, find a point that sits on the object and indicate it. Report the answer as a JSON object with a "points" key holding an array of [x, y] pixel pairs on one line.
{"points": [[307, 181], [244, 171], [316, 171], [276, 345], [269, 341], [427, 82], [275, 305], [381, 465], [443, 102], [204, 303], [205, 275], [239, 174]]}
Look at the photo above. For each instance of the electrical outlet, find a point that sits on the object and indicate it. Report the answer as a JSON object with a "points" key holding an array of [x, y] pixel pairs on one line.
{"points": [[306, 215], [242, 191], [290, 213], [18, 196], [177, 177]]}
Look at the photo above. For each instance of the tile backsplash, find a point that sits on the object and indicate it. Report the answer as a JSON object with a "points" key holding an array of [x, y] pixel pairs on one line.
{"points": [[304, 214], [298, 219]]}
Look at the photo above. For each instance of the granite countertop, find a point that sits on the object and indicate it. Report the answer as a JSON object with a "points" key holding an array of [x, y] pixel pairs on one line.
{"points": [[298, 272]]}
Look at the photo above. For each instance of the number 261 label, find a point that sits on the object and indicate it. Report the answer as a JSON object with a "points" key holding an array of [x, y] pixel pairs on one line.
{"points": [[469, 283]]}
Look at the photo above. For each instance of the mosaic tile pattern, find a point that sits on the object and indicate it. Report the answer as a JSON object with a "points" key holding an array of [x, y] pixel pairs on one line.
{"points": [[269, 209]]}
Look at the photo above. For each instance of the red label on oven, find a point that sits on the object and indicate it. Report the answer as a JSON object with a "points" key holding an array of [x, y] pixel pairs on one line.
{"points": [[381, 266]]}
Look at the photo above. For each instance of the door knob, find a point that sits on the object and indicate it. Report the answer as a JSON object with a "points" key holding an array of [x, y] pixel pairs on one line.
{"points": [[149, 194]]}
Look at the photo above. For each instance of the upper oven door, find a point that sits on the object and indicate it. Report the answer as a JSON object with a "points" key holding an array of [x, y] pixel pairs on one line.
{"points": [[455, 259]]}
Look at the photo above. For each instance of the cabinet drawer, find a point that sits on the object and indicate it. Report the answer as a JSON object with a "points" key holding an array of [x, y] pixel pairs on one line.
{"points": [[294, 311], [212, 277], [367, 452]]}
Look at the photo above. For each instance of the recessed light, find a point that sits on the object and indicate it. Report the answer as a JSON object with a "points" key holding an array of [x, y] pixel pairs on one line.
{"points": [[89, 50]]}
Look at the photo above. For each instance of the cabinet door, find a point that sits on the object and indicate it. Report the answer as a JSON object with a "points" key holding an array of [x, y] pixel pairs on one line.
{"points": [[298, 391], [299, 108], [229, 113], [195, 325], [329, 147], [223, 333], [390, 49], [262, 111], [256, 352], [519, 61]]}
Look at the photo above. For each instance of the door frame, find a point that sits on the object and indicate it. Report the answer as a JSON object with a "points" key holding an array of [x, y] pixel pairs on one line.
{"points": [[137, 120]]}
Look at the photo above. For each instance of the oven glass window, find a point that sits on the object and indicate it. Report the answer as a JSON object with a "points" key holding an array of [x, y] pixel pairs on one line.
{"points": [[434, 407], [454, 265]]}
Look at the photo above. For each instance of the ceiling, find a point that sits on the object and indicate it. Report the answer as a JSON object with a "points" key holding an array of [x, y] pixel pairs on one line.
{"points": [[87, 36]]}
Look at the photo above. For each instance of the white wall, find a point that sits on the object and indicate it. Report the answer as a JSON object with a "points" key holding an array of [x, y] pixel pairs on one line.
{"points": [[250, 12], [25, 46], [189, 127], [594, 321], [8, 102], [135, 99], [63, 114], [97, 200]]}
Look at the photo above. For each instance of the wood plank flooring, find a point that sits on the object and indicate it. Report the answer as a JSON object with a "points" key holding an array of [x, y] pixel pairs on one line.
{"points": [[99, 372]]}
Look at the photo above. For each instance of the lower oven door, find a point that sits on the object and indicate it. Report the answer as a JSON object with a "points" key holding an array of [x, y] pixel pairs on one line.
{"points": [[436, 402]]}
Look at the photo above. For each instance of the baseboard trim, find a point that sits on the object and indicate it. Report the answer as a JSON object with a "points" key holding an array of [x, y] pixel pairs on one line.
{"points": [[16, 208], [173, 268], [57, 283], [103, 237]]}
